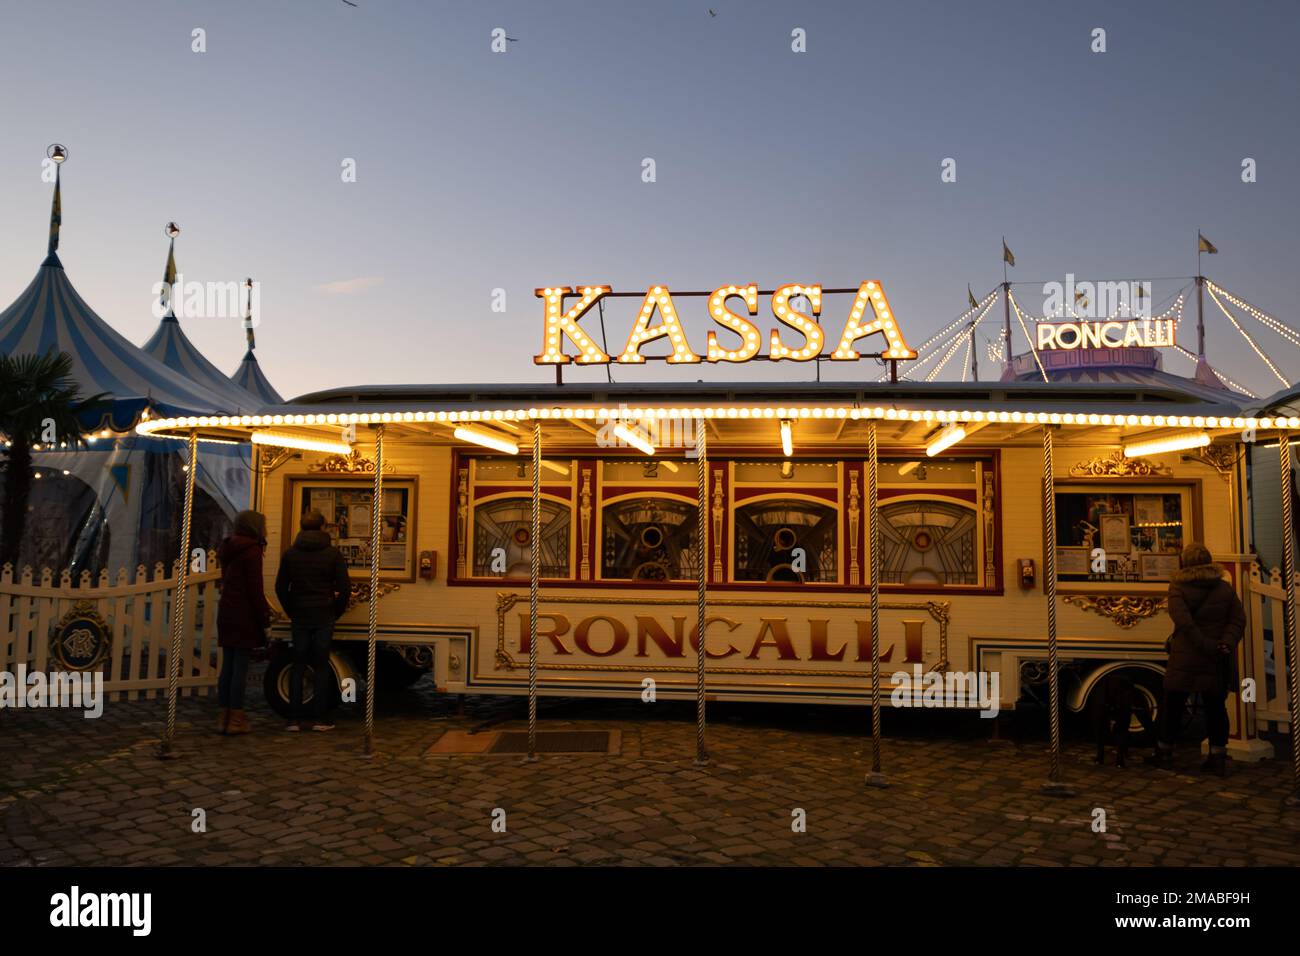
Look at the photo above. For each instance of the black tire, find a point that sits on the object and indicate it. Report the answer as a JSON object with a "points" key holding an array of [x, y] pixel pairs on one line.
{"points": [[1147, 701], [1148, 684], [392, 673], [275, 685]]}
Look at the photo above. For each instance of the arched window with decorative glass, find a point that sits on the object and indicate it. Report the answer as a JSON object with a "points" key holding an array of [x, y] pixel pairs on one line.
{"points": [[938, 523], [787, 539], [648, 537], [502, 543]]}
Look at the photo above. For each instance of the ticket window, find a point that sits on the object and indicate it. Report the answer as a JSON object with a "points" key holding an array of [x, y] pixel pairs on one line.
{"points": [[1121, 535]]}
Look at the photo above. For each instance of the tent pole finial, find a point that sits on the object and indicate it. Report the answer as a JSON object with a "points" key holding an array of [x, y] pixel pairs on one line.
{"points": [[57, 154]]}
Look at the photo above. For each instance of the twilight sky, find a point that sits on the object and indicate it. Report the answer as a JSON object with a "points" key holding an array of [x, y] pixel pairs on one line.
{"points": [[478, 170]]}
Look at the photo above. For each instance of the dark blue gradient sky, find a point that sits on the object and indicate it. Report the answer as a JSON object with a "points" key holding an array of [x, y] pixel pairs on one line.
{"points": [[479, 170]]}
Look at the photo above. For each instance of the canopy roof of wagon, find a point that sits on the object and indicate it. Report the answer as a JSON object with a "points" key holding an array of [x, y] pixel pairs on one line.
{"points": [[822, 415]]}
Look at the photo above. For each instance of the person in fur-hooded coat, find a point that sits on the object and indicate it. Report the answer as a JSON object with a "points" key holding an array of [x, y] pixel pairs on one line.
{"points": [[1209, 621]]}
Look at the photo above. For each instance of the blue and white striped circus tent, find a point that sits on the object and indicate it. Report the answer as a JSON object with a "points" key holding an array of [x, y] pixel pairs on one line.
{"points": [[250, 377], [115, 502], [50, 315], [225, 467], [170, 345]]}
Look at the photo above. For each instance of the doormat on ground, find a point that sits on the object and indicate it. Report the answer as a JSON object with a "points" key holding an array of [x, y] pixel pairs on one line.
{"points": [[515, 742]]}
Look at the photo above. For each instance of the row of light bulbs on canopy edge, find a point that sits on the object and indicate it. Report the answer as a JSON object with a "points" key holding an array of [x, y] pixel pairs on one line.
{"points": [[959, 424], [88, 439]]}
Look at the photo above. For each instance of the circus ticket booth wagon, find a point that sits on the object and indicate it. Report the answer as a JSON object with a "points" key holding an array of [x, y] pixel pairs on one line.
{"points": [[578, 539]]}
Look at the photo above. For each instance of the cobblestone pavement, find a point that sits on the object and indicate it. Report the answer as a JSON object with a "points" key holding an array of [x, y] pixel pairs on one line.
{"points": [[76, 791]]}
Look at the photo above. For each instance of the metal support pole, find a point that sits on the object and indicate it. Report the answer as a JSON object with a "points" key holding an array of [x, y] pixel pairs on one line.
{"points": [[534, 574], [1055, 785], [1288, 615], [255, 495], [1200, 311], [178, 600], [376, 504], [875, 778], [701, 580], [1006, 324]]}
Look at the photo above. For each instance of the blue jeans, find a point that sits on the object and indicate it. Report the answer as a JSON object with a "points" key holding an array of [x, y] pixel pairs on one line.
{"points": [[234, 675], [311, 648]]}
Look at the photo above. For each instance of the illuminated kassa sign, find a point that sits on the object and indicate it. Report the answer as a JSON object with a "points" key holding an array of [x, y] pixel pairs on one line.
{"points": [[746, 339]]}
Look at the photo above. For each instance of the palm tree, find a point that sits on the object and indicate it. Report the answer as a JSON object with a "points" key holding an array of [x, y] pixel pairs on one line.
{"points": [[36, 392]]}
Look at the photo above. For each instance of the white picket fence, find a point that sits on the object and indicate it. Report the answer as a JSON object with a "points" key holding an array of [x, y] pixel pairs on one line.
{"points": [[138, 613], [1266, 652]]}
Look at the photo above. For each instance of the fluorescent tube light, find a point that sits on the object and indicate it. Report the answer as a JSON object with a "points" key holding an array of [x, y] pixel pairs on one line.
{"points": [[481, 436]]}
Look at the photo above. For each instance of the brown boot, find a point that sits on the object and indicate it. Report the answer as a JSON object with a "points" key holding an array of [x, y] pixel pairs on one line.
{"points": [[239, 723], [223, 721]]}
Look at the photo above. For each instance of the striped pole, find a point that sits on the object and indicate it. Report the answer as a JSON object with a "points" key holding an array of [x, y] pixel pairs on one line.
{"points": [[534, 576], [1054, 785], [1288, 609], [875, 778], [178, 601], [701, 580], [376, 505]]}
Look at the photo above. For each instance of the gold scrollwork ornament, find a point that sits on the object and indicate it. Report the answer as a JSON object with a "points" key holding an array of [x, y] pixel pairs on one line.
{"points": [[360, 592], [1126, 610], [353, 463], [1115, 465]]}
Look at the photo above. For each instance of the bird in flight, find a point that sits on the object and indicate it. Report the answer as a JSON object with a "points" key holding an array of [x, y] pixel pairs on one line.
{"points": [[350, 3], [712, 14]]}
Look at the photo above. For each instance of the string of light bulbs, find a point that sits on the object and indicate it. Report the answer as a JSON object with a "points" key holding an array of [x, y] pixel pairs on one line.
{"points": [[1249, 339], [1175, 311], [952, 350], [983, 306], [1277, 325], [1020, 317], [938, 353], [984, 303], [1191, 356], [993, 349]]}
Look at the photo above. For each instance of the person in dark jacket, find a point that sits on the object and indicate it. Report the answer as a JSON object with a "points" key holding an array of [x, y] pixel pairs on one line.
{"points": [[242, 615], [313, 588], [1209, 621]]}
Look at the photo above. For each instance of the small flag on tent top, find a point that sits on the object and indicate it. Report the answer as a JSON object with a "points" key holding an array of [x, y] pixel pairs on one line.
{"points": [[1205, 245], [970, 297], [1007, 256]]}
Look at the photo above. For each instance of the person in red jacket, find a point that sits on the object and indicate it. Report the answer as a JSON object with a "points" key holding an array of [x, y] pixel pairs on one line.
{"points": [[242, 615]]}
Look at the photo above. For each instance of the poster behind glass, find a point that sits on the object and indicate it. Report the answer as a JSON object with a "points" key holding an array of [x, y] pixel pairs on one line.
{"points": [[1139, 535], [349, 511]]}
